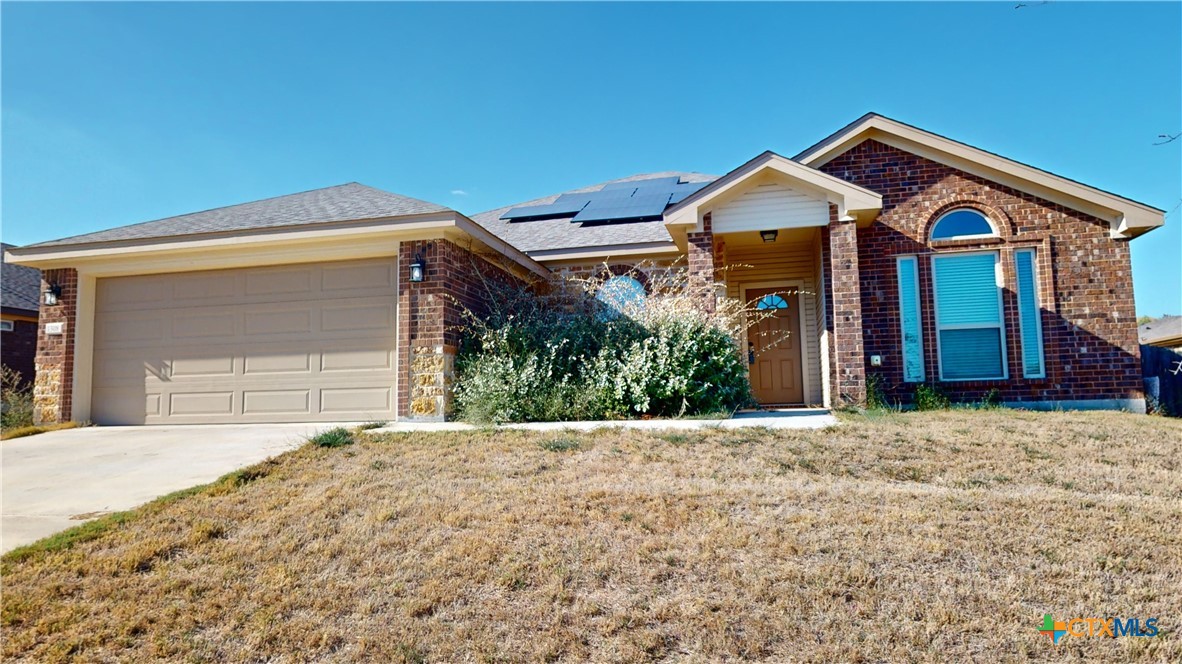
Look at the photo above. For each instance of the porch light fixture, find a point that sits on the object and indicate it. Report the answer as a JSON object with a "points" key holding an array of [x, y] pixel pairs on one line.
{"points": [[52, 293], [417, 268], [769, 236]]}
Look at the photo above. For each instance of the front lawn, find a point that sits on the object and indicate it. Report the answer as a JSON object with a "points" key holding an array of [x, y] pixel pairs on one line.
{"points": [[939, 536]]}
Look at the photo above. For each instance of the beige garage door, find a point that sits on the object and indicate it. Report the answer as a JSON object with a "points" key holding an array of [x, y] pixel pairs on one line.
{"points": [[297, 343]]}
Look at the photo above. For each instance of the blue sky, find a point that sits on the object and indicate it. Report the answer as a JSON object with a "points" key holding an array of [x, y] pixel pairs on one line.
{"points": [[119, 113]]}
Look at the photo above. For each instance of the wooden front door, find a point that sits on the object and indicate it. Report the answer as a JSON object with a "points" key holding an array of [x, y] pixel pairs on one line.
{"points": [[775, 342]]}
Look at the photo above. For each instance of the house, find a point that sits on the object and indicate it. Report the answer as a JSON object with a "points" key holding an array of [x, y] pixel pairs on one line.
{"points": [[1164, 332], [884, 249], [20, 288]]}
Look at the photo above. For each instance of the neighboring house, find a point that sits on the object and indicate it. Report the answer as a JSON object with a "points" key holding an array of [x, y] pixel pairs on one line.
{"points": [[20, 288], [1165, 332], [884, 249]]}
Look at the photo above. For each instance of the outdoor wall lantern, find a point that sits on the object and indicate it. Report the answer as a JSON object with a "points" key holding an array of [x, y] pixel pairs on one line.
{"points": [[769, 236], [52, 293], [417, 268]]}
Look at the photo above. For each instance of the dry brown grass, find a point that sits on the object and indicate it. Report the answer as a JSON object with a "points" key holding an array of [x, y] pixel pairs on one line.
{"points": [[34, 429], [927, 536]]}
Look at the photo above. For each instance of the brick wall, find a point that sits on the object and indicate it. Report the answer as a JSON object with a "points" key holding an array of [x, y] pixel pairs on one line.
{"points": [[431, 315], [1085, 278], [18, 348], [53, 387]]}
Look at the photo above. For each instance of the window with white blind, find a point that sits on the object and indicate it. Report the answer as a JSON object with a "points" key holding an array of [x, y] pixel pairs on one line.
{"points": [[912, 331], [1029, 318], [970, 334]]}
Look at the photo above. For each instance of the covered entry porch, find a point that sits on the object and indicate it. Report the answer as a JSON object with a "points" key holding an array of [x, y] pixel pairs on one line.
{"points": [[782, 237], [780, 282]]}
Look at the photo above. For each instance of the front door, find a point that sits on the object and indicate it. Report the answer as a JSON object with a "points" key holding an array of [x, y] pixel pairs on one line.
{"points": [[774, 342]]}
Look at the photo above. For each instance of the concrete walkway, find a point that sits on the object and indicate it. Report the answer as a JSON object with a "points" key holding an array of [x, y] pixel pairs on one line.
{"points": [[56, 480], [794, 418]]}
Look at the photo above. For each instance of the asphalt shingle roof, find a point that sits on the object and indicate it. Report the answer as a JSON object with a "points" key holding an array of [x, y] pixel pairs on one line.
{"points": [[346, 202], [1166, 327], [20, 286], [562, 233]]}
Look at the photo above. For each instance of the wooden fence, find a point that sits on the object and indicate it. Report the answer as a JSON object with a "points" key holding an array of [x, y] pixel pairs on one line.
{"points": [[1163, 380]]}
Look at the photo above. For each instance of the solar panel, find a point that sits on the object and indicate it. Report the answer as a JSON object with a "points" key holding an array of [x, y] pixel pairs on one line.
{"points": [[564, 205], [664, 183], [640, 206], [637, 199], [683, 191]]}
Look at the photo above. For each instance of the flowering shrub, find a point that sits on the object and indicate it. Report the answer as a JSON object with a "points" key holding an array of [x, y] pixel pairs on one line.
{"points": [[554, 352]]}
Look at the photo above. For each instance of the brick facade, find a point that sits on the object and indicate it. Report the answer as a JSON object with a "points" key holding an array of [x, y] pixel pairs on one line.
{"points": [[18, 347], [53, 388], [1084, 282], [430, 320], [1085, 279]]}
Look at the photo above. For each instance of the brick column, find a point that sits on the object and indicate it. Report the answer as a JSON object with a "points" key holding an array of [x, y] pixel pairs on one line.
{"points": [[424, 360], [54, 385], [431, 314], [700, 260], [848, 365]]}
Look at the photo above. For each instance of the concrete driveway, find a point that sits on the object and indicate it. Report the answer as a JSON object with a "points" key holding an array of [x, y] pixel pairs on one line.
{"points": [[56, 480]]}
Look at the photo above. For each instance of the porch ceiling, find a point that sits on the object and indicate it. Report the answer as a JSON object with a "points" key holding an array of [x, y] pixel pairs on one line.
{"points": [[785, 236]]}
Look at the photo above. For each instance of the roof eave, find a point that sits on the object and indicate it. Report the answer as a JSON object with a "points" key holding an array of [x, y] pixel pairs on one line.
{"points": [[120, 256]]}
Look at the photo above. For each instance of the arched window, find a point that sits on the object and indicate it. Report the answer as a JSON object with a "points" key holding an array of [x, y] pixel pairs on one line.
{"points": [[771, 301], [963, 223], [622, 294]]}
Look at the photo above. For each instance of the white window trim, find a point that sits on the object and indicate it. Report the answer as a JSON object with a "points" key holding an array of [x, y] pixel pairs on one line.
{"points": [[1042, 358], [923, 370], [7, 326], [979, 236], [1001, 325]]}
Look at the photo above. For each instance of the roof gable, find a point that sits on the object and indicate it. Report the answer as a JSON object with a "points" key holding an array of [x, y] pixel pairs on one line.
{"points": [[1127, 218], [852, 201]]}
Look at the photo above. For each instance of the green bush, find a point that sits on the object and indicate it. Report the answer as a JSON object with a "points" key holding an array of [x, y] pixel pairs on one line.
{"points": [[558, 355], [992, 399], [338, 437], [931, 397], [876, 398], [16, 398]]}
